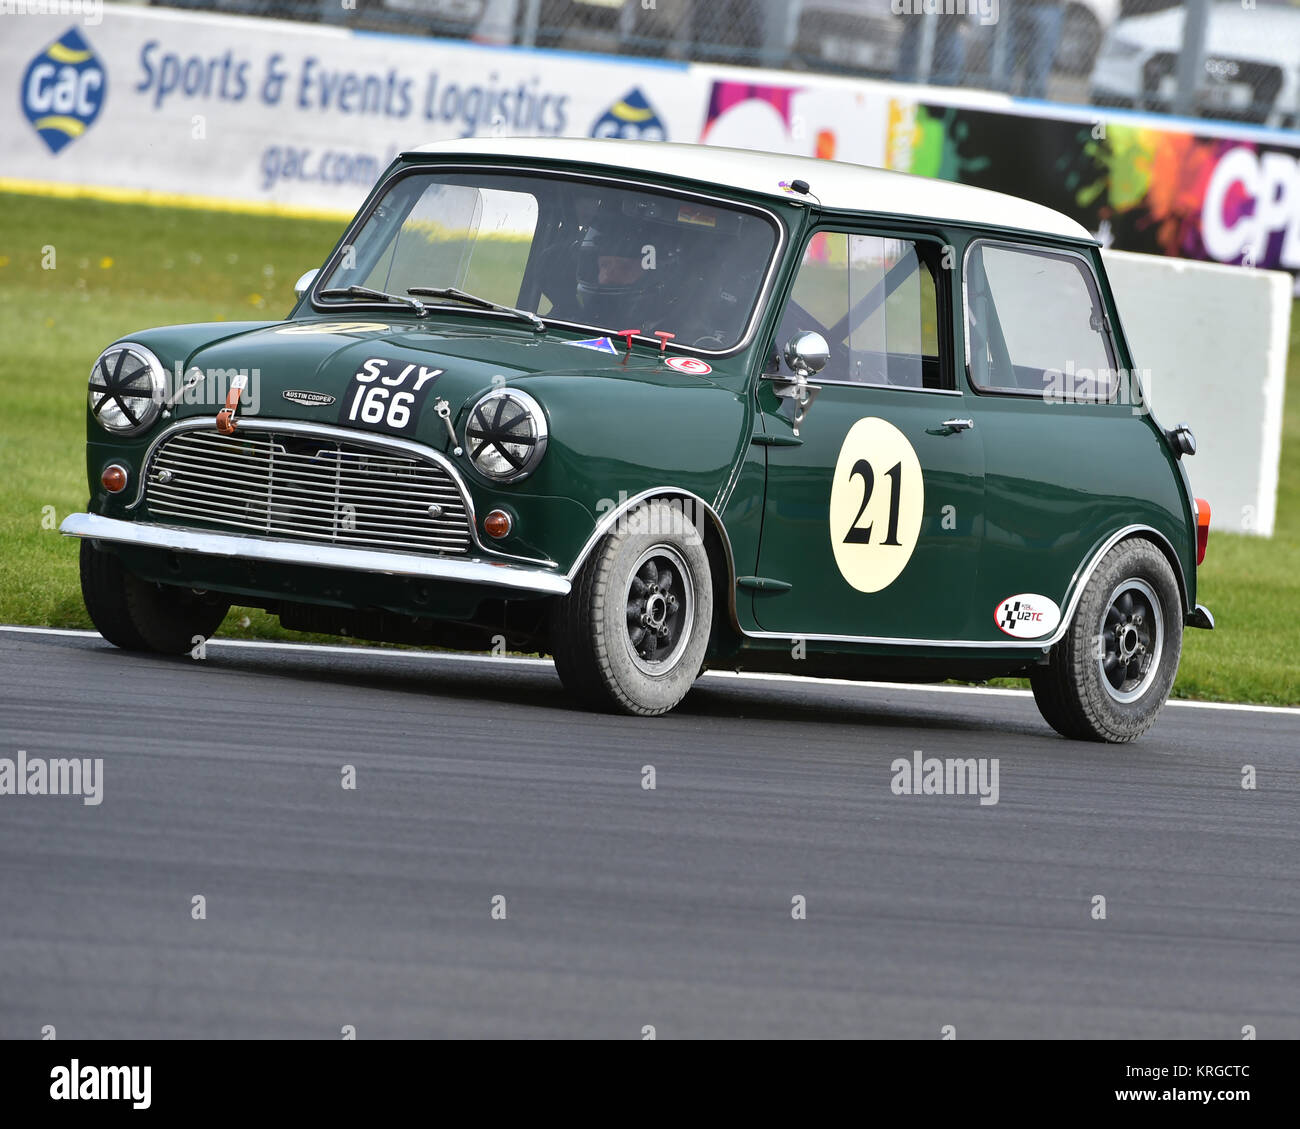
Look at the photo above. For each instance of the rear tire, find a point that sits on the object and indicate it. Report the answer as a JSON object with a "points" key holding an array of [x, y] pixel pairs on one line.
{"points": [[138, 615], [1110, 675], [631, 635]]}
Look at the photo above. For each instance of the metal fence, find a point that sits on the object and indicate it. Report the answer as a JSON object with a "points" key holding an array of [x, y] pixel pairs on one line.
{"points": [[1230, 59]]}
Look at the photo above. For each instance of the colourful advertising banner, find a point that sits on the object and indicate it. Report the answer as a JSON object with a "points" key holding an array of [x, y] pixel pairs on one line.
{"points": [[1141, 186], [301, 116], [834, 120]]}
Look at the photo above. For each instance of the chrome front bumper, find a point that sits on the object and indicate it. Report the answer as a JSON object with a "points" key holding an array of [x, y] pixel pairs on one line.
{"points": [[238, 547]]}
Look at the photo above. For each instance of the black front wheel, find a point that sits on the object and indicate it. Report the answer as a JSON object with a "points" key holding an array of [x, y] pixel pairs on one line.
{"points": [[632, 634], [138, 615]]}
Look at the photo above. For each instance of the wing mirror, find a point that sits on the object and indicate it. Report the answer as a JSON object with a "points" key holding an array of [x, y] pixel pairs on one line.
{"points": [[806, 354], [1182, 440], [304, 283]]}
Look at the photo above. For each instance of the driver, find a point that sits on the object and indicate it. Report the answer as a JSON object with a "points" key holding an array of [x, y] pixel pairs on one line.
{"points": [[634, 273], [624, 273]]}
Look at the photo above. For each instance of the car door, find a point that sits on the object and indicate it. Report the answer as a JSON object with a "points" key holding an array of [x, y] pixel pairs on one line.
{"points": [[1069, 447], [874, 510]]}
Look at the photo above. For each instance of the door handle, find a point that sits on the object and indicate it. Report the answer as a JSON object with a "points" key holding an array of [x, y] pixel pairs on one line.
{"points": [[959, 424]]}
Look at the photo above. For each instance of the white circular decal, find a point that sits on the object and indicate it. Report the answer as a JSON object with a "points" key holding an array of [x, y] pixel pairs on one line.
{"points": [[313, 327], [1027, 615], [877, 498], [693, 365]]}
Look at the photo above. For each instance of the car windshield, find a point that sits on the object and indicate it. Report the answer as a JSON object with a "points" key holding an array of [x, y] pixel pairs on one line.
{"points": [[589, 254]]}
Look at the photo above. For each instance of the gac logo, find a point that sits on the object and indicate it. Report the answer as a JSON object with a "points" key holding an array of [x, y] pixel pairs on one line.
{"points": [[631, 118], [63, 90]]}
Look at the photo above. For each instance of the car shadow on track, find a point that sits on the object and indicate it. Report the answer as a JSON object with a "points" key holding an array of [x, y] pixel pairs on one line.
{"points": [[440, 678], [434, 676], [536, 686]]}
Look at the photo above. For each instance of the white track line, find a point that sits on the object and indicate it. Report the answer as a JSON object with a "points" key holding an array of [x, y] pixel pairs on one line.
{"points": [[452, 656]]}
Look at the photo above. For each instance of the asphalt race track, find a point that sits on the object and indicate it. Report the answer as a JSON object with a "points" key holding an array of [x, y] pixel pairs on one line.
{"points": [[625, 907]]}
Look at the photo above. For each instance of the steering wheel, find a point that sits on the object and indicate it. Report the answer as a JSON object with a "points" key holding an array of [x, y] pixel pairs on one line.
{"points": [[709, 341]]}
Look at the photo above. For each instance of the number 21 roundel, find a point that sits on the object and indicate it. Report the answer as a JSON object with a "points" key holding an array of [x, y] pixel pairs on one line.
{"points": [[877, 498]]}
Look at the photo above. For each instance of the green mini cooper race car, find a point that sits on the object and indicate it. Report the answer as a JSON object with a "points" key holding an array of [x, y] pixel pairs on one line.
{"points": [[652, 408]]}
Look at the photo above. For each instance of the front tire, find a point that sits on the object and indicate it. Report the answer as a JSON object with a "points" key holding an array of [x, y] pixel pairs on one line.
{"points": [[631, 635], [1110, 676], [137, 615]]}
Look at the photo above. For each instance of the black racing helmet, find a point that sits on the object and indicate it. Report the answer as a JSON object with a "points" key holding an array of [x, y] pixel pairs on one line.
{"points": [[613, 232]]}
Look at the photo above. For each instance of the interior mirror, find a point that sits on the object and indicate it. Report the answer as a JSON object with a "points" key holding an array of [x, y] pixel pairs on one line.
{"points": [[807, 353], [304, 283]]}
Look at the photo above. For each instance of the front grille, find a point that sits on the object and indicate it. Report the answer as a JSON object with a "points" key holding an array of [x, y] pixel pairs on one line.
{"points": [[308, 488]]}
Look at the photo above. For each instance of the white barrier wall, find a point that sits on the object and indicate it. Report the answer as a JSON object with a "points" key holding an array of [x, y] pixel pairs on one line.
{"points": [[1211, 341], [295, 114], [306, 116]]}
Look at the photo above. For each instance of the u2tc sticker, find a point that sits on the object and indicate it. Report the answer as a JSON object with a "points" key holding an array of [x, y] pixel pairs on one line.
{"points": [[387, 395], [1027, 615], [877, 499]]}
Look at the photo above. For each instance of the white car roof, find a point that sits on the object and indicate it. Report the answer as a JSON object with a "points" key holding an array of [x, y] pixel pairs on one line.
{"points": [[834, 184]]}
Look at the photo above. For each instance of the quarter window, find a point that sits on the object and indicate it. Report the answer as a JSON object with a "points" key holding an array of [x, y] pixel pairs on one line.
{"points": [[1035, 324], [874, 300]]}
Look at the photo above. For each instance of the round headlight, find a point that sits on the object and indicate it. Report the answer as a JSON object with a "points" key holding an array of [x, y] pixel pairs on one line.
{"points": [[506, 435], [127, 388]]}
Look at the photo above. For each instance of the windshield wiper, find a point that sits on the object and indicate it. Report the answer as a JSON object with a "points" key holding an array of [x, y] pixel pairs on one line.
{"points": [[481, 303], [366, 292]]}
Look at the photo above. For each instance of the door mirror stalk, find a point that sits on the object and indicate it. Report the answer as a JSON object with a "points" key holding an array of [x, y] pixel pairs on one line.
{"points": [[806, 354]]}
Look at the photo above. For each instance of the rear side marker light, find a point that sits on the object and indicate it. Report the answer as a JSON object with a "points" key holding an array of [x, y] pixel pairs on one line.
{"points": [[1202, 528]]}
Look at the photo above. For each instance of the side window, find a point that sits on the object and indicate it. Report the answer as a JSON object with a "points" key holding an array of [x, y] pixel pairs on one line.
{"points": [[875, 302], [1035, 323]]}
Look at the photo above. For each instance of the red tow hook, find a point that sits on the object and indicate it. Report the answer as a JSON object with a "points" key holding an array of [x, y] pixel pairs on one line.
{"points": [[226, 417]]}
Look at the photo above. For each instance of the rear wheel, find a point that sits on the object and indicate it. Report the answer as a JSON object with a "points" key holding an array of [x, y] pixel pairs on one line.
{"points": [[631, 635], [138, 615], [1110, 675]]}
